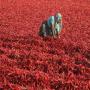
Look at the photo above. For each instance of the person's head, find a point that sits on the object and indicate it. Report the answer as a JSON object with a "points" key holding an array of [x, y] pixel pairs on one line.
{"points": [[58, 17]]}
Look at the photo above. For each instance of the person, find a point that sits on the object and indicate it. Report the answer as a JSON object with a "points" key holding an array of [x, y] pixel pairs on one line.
{"points": [[52, 26]]}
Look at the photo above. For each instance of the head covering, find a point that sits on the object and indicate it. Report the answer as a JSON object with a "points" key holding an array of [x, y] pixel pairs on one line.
{"points": [[58, 16]]}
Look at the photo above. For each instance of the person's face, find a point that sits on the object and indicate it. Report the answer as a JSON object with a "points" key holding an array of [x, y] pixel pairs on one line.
{"points": [[58, 21]]}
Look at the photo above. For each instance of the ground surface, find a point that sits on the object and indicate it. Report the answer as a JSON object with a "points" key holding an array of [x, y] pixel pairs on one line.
{"points": [[29, 62]]}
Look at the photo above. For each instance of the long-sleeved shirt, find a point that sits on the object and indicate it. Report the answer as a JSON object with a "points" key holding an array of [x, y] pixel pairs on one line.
{"points": [[51, 21]]}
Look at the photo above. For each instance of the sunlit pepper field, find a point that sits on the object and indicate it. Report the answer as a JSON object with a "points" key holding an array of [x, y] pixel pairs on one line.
{"points": [[30, 62]]}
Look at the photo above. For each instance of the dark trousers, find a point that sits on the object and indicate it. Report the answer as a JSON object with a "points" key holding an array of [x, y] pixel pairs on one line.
{"points": [[45, 30]]}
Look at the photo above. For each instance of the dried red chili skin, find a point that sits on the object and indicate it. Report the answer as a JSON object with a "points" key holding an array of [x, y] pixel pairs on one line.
{"points": [[30, 62]]}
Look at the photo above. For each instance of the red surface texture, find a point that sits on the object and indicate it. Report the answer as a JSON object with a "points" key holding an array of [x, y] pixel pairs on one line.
{"points": [[29, 62]]}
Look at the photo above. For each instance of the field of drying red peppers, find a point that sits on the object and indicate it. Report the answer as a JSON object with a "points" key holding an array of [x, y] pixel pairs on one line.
{"points": [[29, 62]]}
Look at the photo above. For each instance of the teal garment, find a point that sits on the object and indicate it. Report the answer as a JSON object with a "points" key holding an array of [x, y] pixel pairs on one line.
{"points": [[51, 21]]}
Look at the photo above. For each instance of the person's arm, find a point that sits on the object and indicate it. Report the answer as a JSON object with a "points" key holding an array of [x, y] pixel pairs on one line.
{"points": [[61, 26], [53, 30], [58, 35]]}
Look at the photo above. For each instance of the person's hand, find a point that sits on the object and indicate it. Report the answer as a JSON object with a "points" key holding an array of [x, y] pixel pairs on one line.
{"points": [[54, 36], [58, 36]]}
